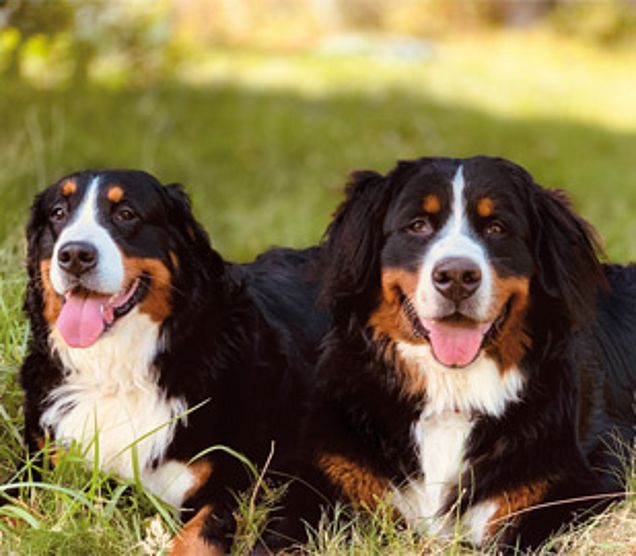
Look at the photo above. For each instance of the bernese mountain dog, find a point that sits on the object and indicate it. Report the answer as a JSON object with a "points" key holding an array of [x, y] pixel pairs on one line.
{"points": [[151, 353], [480, 370]]}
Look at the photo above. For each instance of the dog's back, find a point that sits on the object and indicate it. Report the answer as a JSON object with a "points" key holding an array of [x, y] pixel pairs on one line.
{"points": [[283, 285], [608, 437]]}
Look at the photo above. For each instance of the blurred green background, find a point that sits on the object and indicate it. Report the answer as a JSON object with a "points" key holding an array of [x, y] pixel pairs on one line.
{"points": [[262, 107]]}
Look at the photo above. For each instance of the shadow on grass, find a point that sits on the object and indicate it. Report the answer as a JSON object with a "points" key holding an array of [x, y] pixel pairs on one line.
{"points": [[267, 167]]}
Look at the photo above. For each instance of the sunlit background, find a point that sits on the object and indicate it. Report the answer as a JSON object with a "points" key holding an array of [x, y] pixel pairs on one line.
{"points": [[262, 107]]}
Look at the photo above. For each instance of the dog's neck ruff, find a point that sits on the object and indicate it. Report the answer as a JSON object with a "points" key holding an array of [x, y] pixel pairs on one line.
{"points": [[479, 388], [453, 398], [109, 401]]}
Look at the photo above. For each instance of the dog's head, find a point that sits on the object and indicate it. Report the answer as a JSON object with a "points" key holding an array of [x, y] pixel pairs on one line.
{"points": [[455, 254], [104, 244]]}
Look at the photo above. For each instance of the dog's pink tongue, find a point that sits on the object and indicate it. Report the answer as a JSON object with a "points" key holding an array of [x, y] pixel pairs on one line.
{"points": [[455, 346], [81, 322]]}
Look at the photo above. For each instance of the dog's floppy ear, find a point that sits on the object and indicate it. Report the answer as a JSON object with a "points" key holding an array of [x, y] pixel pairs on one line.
{"points": [[37, 222], [193, 237], [180, 214], [35, 225], [566, 256], [353, 244]]}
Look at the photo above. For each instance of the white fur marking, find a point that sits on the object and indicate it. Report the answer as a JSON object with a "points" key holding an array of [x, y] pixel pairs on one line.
{"points": [[108, 277], [478, 387], [170, 481], [110, 399], [440, 440], [453, 395], [476, 520], [454, 240]]}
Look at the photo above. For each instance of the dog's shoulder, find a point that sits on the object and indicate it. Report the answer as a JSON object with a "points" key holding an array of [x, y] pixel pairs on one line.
{"points": [[283, 286]]}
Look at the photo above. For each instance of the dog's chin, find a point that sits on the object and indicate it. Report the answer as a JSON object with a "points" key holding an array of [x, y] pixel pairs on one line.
{"points": [[456, 339], [87, 314]]}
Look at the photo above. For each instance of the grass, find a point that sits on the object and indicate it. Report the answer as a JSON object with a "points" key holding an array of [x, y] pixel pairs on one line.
{"points": [[263, 144]]}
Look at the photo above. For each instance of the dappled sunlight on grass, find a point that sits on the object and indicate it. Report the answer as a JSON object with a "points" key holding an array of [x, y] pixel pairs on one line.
{"points": [[538, 75], [518, 75]]}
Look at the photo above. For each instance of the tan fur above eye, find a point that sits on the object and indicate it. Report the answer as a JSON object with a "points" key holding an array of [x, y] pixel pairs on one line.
{"points": [[68, 187], [115, 194], [485, 207], [431, 204]]}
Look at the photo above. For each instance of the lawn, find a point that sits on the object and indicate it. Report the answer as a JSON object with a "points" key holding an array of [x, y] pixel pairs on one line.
{"points": [[263, 144]]}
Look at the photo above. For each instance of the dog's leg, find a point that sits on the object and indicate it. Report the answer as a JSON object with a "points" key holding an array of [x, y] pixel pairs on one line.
{"points": [[192, 540]]}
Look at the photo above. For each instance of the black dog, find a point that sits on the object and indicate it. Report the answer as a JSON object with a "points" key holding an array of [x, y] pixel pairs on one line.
{"points": [[482, 361], [136, 321]]}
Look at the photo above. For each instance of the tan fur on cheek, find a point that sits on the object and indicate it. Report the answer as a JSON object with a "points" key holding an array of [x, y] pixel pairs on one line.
{"points": [[52, 301], [157, 303], [361, 487], [512, 341], [189, 541], [389, 316], [389, 321]]}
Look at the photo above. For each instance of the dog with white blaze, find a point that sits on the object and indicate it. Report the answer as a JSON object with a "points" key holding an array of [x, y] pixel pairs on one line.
{"points": [[146, 343], [481, 364]]}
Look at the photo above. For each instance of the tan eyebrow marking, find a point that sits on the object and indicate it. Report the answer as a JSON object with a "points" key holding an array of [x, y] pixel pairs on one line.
{"points": [[68, 187], [485, 207], [431, 204], [115, 194]]}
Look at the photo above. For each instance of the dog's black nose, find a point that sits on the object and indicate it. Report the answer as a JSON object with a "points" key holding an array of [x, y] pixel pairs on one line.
{"points": [[77, 257], [456, 278]]}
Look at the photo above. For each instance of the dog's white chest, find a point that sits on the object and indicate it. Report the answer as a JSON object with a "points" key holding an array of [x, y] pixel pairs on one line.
{"points": [[442, 431], [440, 440], [111, 405]]}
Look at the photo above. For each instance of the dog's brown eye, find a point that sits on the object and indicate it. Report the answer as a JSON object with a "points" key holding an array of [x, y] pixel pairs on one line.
{"points": [[495, 229], [58, 214], [125, 214], [421, 227]]}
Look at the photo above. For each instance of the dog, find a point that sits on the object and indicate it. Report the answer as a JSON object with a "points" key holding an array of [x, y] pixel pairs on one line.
{"points": [[481, 364], [146, 343]]}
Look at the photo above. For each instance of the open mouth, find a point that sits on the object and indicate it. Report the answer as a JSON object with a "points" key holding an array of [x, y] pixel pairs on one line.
{"points": [[86, 314], [455, 340]]}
